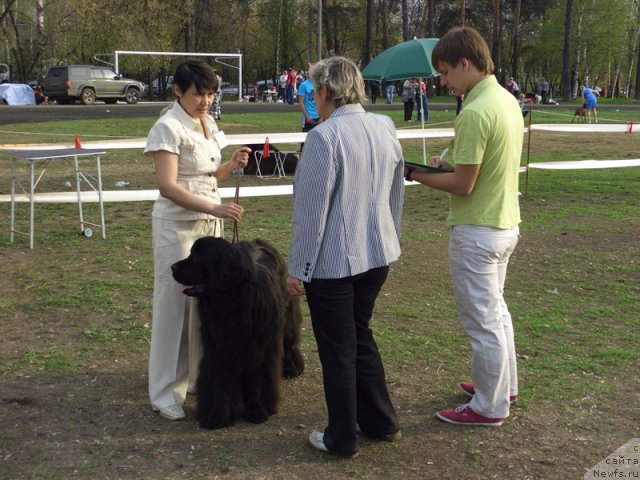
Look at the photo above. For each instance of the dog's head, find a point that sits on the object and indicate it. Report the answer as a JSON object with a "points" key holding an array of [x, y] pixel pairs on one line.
{"points": [[213, 266]]}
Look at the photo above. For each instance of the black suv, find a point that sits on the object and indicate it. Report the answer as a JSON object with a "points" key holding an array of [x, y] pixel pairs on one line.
{"points": [[88, 83]]}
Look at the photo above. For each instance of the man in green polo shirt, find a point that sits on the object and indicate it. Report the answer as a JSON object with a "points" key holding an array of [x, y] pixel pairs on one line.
{"points": [[482, 179]]}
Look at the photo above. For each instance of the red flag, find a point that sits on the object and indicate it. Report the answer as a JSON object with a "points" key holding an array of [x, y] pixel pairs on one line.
{"points": [[265, 149], [77, 142]]}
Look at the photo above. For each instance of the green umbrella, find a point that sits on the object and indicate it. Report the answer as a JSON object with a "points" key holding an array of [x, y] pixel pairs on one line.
{"points": [[411, 59], [406, 60]]}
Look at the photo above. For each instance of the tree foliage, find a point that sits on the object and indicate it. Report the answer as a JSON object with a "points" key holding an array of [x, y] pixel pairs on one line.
{"points": [[526, 36]]}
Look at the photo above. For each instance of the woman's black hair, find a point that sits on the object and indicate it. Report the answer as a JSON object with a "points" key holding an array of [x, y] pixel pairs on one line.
{"points": [[195, 72]]}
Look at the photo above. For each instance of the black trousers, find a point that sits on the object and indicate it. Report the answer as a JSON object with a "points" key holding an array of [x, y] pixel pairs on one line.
{"points": [[408, 110], [355, 386], [307, 127]]}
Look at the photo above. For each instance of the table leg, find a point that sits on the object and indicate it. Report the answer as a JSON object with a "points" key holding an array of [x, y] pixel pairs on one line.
{"points": [[13, 200], [104, 234], [32, 203], [78, 182]]}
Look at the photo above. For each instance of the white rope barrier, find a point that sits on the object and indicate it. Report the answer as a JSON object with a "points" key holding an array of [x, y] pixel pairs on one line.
{"points": [[586, 164], [111, 196], [298, 137]]}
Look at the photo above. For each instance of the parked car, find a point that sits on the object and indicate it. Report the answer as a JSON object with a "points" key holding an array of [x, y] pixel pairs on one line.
{"points": [[5, 73], [88, 83], [229, 91], [168, 83]]}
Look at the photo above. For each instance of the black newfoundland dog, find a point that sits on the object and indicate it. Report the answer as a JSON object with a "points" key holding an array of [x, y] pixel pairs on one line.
{"points": [[250, 328]]}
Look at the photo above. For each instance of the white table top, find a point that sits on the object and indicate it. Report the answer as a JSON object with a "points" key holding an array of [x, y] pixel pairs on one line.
{"points": [[43, 154]]}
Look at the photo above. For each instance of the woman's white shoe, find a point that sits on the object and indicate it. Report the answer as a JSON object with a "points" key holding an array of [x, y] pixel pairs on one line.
{"points": [[173, 412]]}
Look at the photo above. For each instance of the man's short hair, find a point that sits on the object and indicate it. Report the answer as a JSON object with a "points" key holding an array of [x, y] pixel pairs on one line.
{"points": [[459, 43]]}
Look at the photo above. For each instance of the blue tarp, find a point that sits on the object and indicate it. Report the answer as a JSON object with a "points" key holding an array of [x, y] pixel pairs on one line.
{"points": [[17, 94]]}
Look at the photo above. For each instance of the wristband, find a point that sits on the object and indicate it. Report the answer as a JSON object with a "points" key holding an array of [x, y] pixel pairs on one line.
{"points": [[407, 177]]}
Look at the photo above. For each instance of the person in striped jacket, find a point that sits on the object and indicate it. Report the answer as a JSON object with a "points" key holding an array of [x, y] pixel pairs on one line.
{"points": [[348, 199]]}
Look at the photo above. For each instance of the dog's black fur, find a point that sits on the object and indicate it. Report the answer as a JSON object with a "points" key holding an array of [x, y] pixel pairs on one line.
{"points": [[250, 328]]}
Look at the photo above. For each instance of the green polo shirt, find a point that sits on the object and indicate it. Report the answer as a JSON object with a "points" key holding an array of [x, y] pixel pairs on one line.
{"points": [[489, 131]]}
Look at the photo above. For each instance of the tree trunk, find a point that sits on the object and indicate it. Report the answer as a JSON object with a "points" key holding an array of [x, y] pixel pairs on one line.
{"points": [[189, 27], [7, 8], [278, 61], [580, 54], [405, 21], [463, 9], [40, 39], [627, 93], [17, 51], [337, 48], [495, 45], [319, 39], [637, 43], [328, 29], [233, 15], [431, 32], [366, 53], [566, 52], [310, 29], [516, 37], [637, 92], [385, 24]]}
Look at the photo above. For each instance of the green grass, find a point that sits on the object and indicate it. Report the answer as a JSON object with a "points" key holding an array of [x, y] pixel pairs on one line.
{"points": [[78, 307], [53, 359], [112, 128], [132, 332]]}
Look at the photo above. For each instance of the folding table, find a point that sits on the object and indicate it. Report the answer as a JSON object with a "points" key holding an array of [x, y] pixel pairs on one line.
{"points": [[46, 156]]}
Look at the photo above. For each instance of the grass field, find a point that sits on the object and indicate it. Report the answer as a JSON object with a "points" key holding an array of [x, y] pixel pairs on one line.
{"points": [[75, 318]]}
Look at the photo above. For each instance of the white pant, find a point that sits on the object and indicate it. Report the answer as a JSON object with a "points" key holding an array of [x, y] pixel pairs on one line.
{"points": [[478, 257], [176, 348]]}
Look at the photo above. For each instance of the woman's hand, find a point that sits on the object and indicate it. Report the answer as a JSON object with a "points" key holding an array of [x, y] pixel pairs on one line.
{"points": [[230, 211], [240, 157], [294, 286]]}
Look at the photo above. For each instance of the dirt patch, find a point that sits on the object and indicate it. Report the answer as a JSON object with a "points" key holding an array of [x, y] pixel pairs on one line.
{"points": [[74, 352]]}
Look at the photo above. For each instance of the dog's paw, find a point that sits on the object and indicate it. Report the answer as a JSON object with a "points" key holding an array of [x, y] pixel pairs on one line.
{"points": [[292, 371], [215, 420], [293, 367], [256, 415]]}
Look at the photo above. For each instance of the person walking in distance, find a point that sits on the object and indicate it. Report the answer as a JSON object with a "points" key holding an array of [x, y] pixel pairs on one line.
{"points": [[291, 86]]}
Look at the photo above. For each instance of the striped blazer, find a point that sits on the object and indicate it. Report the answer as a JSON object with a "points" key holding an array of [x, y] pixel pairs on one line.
{"points": [[348, 197]]}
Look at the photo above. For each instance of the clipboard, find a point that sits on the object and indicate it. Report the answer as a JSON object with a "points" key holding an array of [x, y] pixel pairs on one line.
{"points": [[420, 167]]}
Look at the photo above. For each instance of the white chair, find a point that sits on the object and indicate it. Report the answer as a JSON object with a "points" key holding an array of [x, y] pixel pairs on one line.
{"points": [[282, 157], [277, 171]]}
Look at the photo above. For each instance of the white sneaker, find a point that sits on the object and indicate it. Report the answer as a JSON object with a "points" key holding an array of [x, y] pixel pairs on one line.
{"points": [[173, 412], [316, 439]]}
